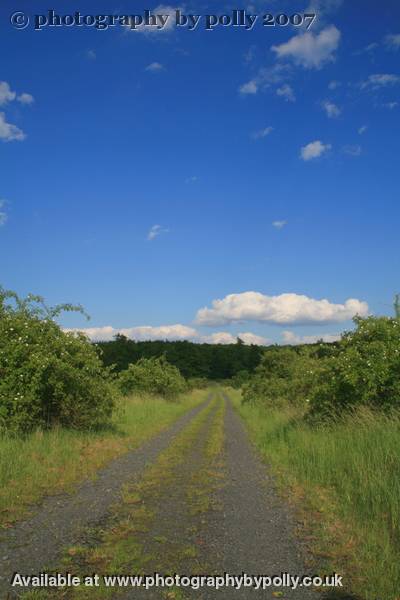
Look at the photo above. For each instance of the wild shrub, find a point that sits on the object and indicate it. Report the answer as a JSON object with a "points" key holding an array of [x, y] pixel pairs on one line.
{"points": [[48, 377], [154, 376], [284, 376], [364, 372]]}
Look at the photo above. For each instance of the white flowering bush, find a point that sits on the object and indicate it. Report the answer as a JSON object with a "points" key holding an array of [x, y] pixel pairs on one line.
{"points": [[154, 376], [364, 372], [48, 377]]}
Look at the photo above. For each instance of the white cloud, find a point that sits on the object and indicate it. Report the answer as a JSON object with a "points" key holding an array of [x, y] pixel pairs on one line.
{"points": [[251, 87], [367, 49], [91, 55], [286, 92], [331, 109], [281, 310], [265, 78], [378, 80], [352, 150], [25, 98], [262, 133], [163, 332], [3, 214], [392, 41], [154, 67], [6, 94], [310, 50], [252, 338], [223, 337], [168, 332], [279, 224], [164, 21], [314, 150], [362, 129], [333, 85], [191, 179], [9, 132], [289, 337], [155, 231]]}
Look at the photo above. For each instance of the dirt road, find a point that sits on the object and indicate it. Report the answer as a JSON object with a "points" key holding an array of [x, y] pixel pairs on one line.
{"points": [[196, 501]]}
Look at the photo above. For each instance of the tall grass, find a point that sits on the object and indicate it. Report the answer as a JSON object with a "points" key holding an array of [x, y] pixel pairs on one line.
{"points": [[350, 473], [52, 461]]}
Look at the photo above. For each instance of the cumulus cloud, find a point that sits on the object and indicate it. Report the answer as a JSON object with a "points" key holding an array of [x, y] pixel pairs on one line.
{"points": [[265, 77], [155, 231], [223, 337], [289, 337], [3, 214], [279, 224], [331, 109], [311, 50], [9, 132], [262, 133], [333, 85], [362, 129], [251, 87], [25, 98], [154, 67], [314, 150], [281, 310], [6, 94], [176, 332], [378, 80], [143, 333], [392, 41], [286, 92]]}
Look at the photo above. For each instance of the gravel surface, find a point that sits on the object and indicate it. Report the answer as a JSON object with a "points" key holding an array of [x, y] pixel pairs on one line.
{"points": [[32, 545], [253, 533]]}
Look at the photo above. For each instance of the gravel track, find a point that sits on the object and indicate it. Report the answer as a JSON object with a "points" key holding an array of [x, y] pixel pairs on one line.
{"points": [[36, 543], [248, 527]]}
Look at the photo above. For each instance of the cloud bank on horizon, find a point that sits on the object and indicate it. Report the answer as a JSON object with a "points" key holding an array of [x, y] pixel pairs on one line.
{"points": [[285, 309]]}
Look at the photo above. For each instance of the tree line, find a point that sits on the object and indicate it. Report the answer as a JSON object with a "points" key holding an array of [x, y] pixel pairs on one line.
{"points": [[208, 361]]}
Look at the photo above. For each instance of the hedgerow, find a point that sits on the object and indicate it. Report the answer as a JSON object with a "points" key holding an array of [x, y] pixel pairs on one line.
{"points": [[331, 381]]}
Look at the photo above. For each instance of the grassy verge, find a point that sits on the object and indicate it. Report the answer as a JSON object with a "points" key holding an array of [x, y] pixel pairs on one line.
{"points": [[53, 461], [347, 478]]}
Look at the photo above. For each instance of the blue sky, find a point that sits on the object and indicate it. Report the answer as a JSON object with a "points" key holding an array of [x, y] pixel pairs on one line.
{"points": [[150, 175]]}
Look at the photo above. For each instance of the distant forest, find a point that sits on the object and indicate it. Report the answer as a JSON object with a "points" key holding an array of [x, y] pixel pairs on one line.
{"points": [[212, 361]]}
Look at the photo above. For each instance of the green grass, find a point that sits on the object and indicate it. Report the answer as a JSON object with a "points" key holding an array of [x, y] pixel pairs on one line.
{"points": [[52, 461], [348, 476]]}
